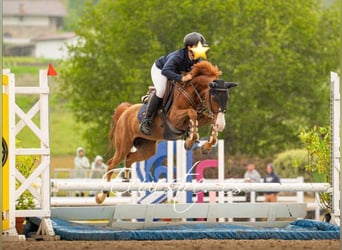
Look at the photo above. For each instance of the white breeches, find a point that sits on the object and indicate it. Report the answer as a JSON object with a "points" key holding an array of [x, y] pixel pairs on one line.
{"points": [[159, 81]]}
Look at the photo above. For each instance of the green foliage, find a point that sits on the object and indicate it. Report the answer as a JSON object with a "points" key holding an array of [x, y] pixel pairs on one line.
{"points": [[278, 61], [280, 52], [25, 164], [317, 142], [291, 164]]}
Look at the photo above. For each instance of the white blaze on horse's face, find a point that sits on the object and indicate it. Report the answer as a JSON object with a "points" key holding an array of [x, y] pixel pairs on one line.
{"points": [[220, 122]]}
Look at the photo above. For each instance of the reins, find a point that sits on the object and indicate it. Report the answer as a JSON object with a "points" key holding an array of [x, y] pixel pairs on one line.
{"points": [[203, 109]]}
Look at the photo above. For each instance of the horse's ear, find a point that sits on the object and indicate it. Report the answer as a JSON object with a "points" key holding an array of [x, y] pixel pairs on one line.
{"points": [[229, 85]]}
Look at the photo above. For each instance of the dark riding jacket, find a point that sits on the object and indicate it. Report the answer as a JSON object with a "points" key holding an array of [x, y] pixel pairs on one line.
{"points": [[271, 178], [174, 63]]}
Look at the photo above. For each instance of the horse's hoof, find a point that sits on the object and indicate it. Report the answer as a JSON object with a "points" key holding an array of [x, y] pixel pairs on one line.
{"points": [[100, 197]]}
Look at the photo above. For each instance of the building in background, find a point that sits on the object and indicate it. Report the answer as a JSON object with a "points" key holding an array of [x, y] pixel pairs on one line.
{"points": [[53, 46], [34, 28]]}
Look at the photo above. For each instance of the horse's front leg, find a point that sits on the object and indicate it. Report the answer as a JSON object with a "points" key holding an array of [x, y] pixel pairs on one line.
{"points": [[193, 135], [216, 127], [207, 146], [186, 119]]}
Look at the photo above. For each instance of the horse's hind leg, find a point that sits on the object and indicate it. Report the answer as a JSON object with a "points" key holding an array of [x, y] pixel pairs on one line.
{"points": [[143, 152], [119, 156], [111, 164]]}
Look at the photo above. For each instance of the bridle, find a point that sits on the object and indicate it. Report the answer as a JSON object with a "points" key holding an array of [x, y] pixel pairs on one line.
{"points": [[203, 109], [215, 92]]}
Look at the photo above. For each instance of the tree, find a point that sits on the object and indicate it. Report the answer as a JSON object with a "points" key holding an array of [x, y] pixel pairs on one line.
{"points": [[106, 67], [280, 52], [278, 62]]}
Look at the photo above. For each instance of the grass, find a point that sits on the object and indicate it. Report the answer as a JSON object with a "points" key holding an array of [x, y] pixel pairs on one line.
{"points": [[26, 68], [17, 63], [65, 133]]}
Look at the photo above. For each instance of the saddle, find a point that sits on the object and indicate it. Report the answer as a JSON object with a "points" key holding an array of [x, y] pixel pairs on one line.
{"points": [[167, 99], [170, 133]]}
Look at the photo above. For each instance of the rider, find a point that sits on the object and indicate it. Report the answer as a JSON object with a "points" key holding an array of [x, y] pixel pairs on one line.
{"points": [[170, 67]]}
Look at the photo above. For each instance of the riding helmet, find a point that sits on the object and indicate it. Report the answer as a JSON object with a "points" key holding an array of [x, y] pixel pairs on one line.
{"points": [[193, 38]]}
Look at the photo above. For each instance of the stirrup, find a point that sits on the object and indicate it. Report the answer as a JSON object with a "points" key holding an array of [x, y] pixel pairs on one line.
{"points": [[146, 127]]}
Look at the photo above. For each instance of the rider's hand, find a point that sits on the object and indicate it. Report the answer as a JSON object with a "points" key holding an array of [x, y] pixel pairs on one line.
{"points": [[186, 78]]}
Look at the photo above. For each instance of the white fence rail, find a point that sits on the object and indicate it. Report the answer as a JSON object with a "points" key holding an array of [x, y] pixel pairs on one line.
{"points": [[66, 184]]}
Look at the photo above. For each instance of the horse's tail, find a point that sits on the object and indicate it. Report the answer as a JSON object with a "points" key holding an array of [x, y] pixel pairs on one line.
{"points": [[115, 117]]}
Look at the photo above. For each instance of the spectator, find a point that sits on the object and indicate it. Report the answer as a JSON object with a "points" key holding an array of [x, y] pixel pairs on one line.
{"points": [[81, 166], [271, 177], [98, 169], [251, 175]]}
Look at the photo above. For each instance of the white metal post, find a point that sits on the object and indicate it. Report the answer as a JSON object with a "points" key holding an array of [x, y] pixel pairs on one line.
{"points": [[181, 169], [335, 147], [221, 172], [170, 167]]}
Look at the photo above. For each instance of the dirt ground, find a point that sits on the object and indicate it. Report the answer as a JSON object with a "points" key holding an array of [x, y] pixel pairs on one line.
{"points": [[175, 244]]}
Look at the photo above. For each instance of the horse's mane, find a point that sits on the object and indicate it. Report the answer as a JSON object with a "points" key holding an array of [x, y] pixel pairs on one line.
{"points": [[205, 68]]}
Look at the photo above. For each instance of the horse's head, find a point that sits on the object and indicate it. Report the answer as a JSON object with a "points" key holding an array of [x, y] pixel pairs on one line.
{"points": [[218, 98], [213, 90]]}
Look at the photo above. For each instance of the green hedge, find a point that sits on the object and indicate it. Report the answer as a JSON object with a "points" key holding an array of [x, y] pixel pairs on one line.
{"points": [[291, 164]]}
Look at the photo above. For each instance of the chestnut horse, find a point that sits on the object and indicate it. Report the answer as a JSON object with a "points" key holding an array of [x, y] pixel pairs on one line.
{"points": [[201, 101]]}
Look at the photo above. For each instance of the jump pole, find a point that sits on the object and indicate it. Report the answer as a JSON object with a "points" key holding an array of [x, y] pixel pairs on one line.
{"points": [[65, 184]]}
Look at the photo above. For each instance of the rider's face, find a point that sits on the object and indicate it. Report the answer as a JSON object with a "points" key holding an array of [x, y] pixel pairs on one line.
{"points": [[191, 53]]}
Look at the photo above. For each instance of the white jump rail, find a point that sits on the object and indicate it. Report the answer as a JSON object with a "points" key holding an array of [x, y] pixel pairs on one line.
{"points": [[77, 184], [287, 195]]}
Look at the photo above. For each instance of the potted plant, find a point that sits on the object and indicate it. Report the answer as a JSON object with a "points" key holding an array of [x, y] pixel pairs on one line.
{"points": [[25, 165], [317, 143]]}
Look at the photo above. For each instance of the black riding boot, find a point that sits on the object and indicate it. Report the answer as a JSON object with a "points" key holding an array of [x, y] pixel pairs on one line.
{"points": [[146, 125]]}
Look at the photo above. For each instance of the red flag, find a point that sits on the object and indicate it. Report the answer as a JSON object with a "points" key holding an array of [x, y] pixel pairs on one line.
{"points": [[51, 71]]}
